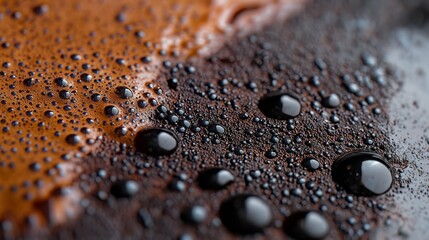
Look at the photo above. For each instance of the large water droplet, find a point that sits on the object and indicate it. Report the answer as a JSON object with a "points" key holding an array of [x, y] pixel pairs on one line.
{"points": [[156, 142], [280, 106], [363, 173], [307, 225], [245, 214]]}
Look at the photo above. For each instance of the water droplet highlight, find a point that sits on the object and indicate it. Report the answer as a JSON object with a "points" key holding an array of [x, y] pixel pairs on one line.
{"points": [[156, 142], [363, 173], [245, 214], [215, 178], [306, 225], [280, 106]]}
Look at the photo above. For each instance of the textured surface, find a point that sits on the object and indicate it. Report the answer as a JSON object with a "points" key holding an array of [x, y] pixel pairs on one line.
{"points": [[332, 47]]}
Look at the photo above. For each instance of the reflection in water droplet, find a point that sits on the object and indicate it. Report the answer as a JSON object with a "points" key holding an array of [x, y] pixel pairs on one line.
{"points": [[363, 173], [195, 214], [124, 189], [311, 164], [308, 225], [245, 214], [280, 106], [156, 142], [215, 178], [331, 101]]}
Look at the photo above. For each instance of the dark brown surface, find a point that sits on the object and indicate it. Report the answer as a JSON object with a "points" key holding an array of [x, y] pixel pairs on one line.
{"points": [[337, 34]]}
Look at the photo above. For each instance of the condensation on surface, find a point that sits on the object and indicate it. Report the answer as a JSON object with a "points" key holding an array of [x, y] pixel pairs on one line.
{"points": [[47, 123]]}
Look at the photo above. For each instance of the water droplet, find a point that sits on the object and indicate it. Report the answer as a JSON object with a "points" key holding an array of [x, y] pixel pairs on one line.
{"points": [[280, 106], [307, 225], [194, 214], [41, 9], [86, 77], [124, 92], [73, 139], [216, 128], [311, 164], [61, 82], [331, 101], [156, 142], [64, 94], [111, 111], [245, 214], [363, 173], [29, 82], [124, 189], [215, 178], [145, 218], [121, 131]]}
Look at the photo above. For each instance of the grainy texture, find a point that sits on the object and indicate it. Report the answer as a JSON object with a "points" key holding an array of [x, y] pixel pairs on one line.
{"points": [[332, 47]]}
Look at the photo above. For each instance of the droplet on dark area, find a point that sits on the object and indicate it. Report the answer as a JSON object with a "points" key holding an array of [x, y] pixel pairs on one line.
{"points": [[245, 214], [156, 141], [215, 178], [306, 225], [173, 83], [124, 92], [111, 111], [331, 101], [280, 106], [216, 128], [145, 218], [363, 173], [195, 214], [177, 185], [124, 189], [311, 164]]}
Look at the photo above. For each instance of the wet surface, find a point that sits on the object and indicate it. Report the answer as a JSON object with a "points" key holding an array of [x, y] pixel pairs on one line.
{"points": [[347, 85], [75, 72]]}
